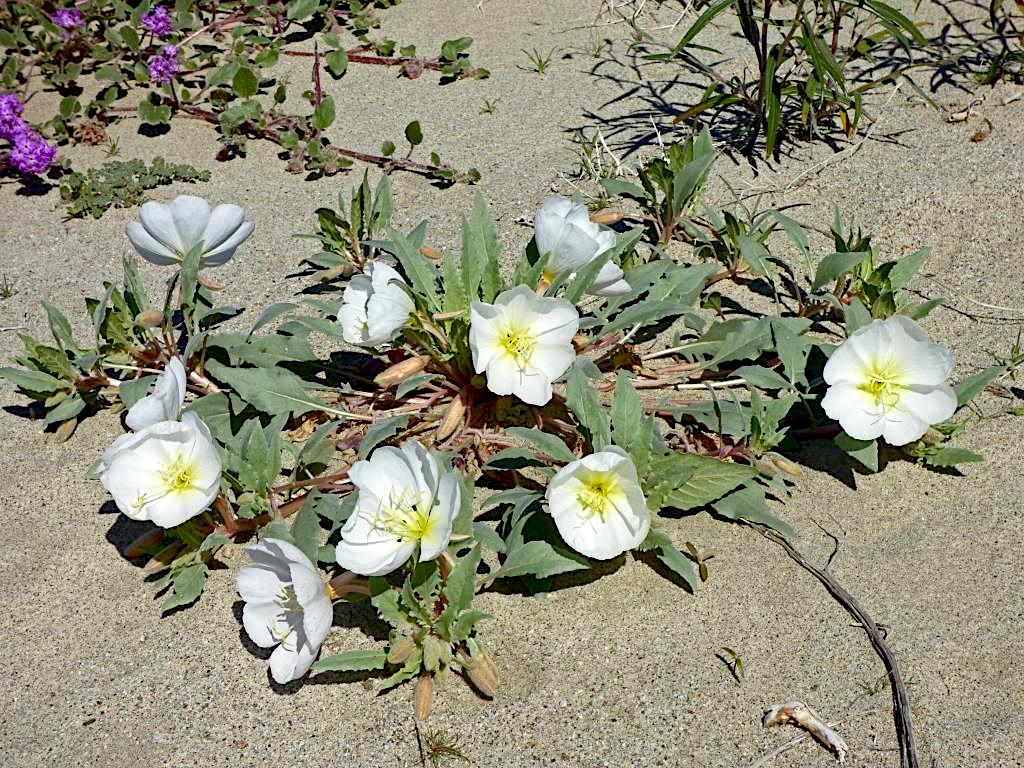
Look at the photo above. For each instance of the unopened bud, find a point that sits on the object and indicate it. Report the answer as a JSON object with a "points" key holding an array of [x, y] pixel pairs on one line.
{"points": [[431, 253], [401, 650], [144, 543], [786, 465], [209, 282], [163, 558], [150, 318], [482, 673], [452, 417], [424, 696], [66, 429], [607, 217], [401, 371]]}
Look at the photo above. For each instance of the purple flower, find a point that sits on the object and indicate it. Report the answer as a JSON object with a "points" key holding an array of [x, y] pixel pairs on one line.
{"points": [[68, 18], [158, 21], [11, 125], [164, 66], [31, 153]]}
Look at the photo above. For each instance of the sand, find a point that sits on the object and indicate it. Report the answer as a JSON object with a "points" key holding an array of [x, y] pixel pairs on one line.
{"points": [[618, 672]]}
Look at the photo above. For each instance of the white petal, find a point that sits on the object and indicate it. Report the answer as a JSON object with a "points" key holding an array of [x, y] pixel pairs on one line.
{"points": [[317, 619], [352, 319], [387, 469], [851, 357], [174, 509], [256, 584], [554, 320], [855, 410], [442, 516], [285, 552], [306, 581], [148, 247], [226, 250], [191, 214], [549, 221], [264, 623], [483, 334], [372, 558], [225, 219], [902, 427], [164, 404], [924, 363], [289, 662], [159, 223], [609, 282]]}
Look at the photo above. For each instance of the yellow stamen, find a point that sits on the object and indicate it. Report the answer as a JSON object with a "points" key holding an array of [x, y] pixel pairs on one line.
{"points": [[407, 517], [518, 343], [883, 381], [179, 475], [598, 493]]}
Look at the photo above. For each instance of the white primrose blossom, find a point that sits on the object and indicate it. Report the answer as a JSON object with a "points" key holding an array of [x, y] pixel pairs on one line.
{"points": [[165, 233], [598, 506], [888, 379], [168, 472], [164, 404], [286, 604], [404, 501], [564, 230], [523, 342], [374, 309]]}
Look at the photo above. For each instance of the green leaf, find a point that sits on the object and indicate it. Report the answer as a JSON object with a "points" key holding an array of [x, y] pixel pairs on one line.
{"points": [[244, 83], [270, 314], [323, 114], [356, 660], [583, 401], [70, 406], [904, 270], [414, 133], [380, 431], [864, 451], [511, 458], [461, 585], [32, 381], [300, 10], [481, 277], [748, 503], [686, 481], [545, 442], [834, 265], [539, 559], [949, 456], [153, 114], [337, 62], [762, 378], [627, 412], [754, 254], [856, 316], [134, 390], [659, 543], [488, 537], [305, 532], [188, 585], [450, 49], [421, 273], [974, 385], [271, 390]]}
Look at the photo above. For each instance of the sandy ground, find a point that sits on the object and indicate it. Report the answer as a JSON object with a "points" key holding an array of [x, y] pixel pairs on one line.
{"points": [[619, 672]]}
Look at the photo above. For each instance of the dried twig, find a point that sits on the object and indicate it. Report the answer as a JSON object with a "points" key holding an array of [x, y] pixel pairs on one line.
{"points": [[900, 699], [799, 714]]}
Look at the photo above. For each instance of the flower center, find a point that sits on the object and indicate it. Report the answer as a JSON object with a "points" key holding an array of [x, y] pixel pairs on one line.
{"points": [[518, 344], [883, 381], [408, 516], [179, 476], [597, 492]]}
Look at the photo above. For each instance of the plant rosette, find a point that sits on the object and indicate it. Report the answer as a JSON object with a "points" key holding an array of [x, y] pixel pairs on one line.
{"points": [[470, 427]]}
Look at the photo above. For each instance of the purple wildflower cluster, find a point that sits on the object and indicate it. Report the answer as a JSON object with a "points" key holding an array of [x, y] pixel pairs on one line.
{"points": [[164, 66], [29, 151], [68, 19], [158, 21]]}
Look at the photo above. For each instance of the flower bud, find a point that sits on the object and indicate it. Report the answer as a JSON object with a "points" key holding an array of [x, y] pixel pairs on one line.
{"points": [[144, 543], [401, 650], [786, 465], [424, 696], [401, 371], [164, 557], [431, 253], [150, 318], [607, 217], [209, 283], [452, 417], [482, 673]]}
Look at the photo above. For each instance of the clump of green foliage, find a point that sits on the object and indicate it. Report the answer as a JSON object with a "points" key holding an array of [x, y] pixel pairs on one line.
{"points": [[120, 184]]}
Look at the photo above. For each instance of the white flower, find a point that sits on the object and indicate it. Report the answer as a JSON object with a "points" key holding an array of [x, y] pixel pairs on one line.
{"points": [[168, 232], [374, 309], [888, 380], [165, 402], [523, 342], [404, 501], [598, 506], [564, 230], [168, 473], [286, 604]]}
